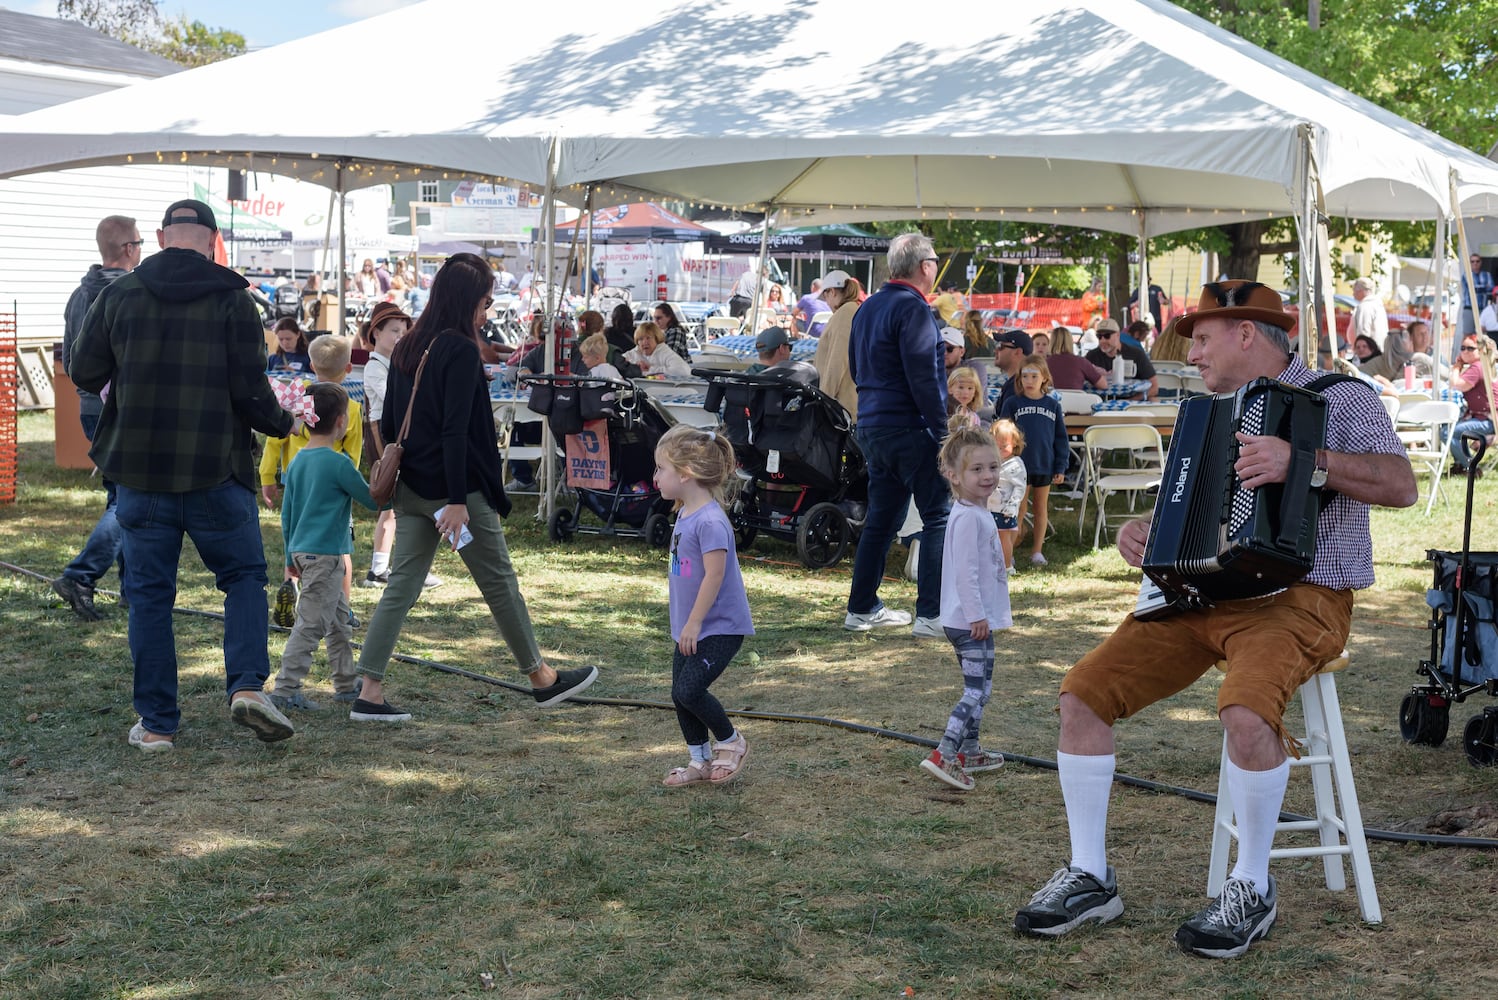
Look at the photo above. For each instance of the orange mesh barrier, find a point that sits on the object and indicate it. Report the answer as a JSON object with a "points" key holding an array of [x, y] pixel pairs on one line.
{"points": [[9, 383]]}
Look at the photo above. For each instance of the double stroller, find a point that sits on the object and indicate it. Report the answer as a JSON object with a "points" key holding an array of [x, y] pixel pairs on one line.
{"points": [[1463, 645], [804, 477], [607, 430]]}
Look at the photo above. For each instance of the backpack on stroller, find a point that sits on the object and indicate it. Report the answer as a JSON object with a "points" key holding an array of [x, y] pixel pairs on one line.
{"points": [[804, 476], [287, 302], [608, 431]]}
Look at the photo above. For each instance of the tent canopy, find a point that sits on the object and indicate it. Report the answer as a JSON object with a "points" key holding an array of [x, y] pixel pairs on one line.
{"points": [[1126, 115], [638, 223], [837, 239]]}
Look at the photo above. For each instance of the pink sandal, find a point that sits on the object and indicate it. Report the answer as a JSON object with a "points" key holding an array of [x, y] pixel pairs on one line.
{"points": [[693, 774], [728, 761]]}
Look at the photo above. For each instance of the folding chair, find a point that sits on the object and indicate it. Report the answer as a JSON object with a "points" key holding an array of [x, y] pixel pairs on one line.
{"points": [[1170, 383], [1425, 427], [1103, 482], [719, 326]]}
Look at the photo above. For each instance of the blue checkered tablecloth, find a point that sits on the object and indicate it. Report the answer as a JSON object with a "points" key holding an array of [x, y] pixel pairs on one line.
{"points": [[742, 345]]}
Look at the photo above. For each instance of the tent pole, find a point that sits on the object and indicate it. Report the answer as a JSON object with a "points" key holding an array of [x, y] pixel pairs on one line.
{"points": [[342, 250], [588, 289], [759, 290], [1144, 267], [1438, 314], [548, 229]]}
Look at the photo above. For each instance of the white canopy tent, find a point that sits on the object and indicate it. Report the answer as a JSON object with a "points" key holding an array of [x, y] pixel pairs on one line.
{"points": [[1124, 115]]}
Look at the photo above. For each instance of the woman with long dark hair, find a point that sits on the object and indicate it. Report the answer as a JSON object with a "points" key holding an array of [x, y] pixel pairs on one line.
{"points": [[672, 330], [450, 480]]}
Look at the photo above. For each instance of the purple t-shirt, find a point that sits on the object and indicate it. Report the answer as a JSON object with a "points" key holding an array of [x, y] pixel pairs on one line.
{"points": [[810, 305], [707, 530]]}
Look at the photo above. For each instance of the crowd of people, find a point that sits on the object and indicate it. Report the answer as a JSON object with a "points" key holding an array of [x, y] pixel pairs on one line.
{"points": [[179, 348]]}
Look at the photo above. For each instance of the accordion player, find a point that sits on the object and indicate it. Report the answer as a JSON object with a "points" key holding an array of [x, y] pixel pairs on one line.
{"points": [[1213, 539]]}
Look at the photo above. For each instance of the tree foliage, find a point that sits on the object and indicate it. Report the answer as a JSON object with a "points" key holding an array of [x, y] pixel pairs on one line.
{"points": [[140, 23]]}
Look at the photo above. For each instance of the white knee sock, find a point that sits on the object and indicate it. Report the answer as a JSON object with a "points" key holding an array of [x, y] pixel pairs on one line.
{"points": [[1257, 798], [1085, 784]]}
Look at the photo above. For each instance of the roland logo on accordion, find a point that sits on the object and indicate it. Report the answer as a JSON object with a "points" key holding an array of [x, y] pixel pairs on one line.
{"points": [[1211, 539]]}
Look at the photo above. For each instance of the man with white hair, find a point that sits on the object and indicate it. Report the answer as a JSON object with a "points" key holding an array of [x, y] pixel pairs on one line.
{"points": [[1369, 318], [896, 359]]}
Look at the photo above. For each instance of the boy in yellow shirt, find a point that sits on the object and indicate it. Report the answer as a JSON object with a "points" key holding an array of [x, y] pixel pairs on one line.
{"points": [[330, 363]]}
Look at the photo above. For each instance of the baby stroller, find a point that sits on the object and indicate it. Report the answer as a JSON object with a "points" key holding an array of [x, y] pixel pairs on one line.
{"points": [[804, 476], [610, 430], [287, 303], [1463, 644]]}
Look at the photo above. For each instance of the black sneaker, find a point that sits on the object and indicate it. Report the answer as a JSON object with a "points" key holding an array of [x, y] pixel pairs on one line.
{"points": [[368, 711], [1237, 918], [373, 579], [284, 613], [568, 684], [80, 597], [1071, 898]]}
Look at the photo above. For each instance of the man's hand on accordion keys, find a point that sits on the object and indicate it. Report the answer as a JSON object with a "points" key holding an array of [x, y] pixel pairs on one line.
{"points": [[1262, 460], [1132, 538]]}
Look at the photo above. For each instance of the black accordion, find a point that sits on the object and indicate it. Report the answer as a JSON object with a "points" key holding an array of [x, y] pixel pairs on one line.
{"points": [[1211, 539]]}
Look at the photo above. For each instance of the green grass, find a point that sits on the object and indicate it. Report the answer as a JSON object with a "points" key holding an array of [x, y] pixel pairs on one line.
{"points": [[490, 837]]}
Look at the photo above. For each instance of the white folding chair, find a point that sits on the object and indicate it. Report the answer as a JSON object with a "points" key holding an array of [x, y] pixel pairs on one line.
{"points": [[1170, 383], [720, 326], [1193, 385], [1425, 428], [1103, 482], [824, 317], [1391, 407], [1174, 367]]}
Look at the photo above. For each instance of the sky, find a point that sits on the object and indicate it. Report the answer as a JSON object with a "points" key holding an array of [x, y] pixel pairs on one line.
{"points": [[264, 23]]}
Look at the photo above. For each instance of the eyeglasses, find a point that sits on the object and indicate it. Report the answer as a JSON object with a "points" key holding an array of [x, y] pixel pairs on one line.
{"points": [[1469, 347], [930, 260], [1105, 335], [133, 243]]}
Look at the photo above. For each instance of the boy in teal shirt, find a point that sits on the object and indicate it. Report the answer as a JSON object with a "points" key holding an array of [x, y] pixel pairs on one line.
{"points": [[320, 487]]}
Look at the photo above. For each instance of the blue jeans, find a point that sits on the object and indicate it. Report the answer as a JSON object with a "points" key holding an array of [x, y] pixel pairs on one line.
{"points": [[103, 548], [1459, 449], [902, 464], [224, 526]]}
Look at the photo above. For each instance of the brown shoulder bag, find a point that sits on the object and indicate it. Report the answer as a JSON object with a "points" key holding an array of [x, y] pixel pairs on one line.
{"points": [[386, 471]]}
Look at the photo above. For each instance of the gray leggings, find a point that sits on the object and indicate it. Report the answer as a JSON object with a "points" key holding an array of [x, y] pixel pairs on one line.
{"points": [[697, 711], [487, 558], [975, 657]]}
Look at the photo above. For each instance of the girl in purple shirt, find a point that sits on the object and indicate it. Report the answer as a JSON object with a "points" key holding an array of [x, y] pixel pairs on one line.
{"points": [[709, 609]]}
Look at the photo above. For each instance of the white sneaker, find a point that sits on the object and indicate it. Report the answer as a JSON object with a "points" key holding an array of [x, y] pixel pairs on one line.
{"points": [[927, 628], [1036, 559], [432, 580], [881, 618]]}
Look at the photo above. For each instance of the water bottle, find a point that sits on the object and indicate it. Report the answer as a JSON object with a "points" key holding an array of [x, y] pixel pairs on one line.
{"points": [[1409, 378], [1117, 375]]}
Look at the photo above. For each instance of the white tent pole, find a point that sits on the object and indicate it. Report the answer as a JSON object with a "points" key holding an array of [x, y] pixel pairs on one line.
{"points": [[327, 233], [588, 289], [1144, 268], [1438, 314], [342, 249], [1304, 216], [759, 291], [548, 224]]}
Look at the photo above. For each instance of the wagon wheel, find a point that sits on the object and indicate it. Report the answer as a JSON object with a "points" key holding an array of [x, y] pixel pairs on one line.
{"points": [[657, 530], [1480, 740], [1423, 721], [561, 526], [744, 533], [822, 536]]}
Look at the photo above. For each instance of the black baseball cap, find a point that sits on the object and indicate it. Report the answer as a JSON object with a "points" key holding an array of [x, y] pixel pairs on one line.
{"points": [[1015, 338], [189, 212]]}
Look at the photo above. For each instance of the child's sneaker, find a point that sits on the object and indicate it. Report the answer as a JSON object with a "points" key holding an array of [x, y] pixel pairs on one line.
{"points": [[284, 613], [373, 579], [297, 700], [949, 771], [978, 760], [1036, 559]]}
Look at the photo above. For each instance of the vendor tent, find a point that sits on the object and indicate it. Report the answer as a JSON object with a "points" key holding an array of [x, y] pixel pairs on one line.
{"points": [[640, 222], [833, 240]]}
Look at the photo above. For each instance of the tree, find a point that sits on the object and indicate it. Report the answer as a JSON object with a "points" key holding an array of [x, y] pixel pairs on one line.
{"points": [[139, 23]]}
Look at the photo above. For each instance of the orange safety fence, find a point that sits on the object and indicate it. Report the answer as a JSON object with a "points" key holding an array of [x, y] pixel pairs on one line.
{"points": [[9, 387], [1036, 313]]}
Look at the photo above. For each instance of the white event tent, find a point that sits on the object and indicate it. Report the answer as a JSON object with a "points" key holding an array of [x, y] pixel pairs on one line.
{"points": [[1125, 115]]}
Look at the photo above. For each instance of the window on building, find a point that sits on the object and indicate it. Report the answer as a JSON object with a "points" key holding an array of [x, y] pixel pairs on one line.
{"points": [[428, 191]]}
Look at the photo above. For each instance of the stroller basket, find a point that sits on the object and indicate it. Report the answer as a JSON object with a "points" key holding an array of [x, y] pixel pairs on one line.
{"points": [[1469, 640]]}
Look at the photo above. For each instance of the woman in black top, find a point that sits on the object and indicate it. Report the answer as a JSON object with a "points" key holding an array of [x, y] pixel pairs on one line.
{"points": [[450, 480], [620, 332]]}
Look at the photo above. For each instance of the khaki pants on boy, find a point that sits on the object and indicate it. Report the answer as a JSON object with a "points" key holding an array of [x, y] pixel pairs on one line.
{"points": [[321, 612]]}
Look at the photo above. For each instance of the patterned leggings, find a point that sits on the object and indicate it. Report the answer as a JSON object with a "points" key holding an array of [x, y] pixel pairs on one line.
{"points": [[975, 657], [697, 711]]}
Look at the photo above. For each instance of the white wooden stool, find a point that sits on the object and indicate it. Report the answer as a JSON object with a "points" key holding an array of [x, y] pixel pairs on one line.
{"points": [[1341, 834]]}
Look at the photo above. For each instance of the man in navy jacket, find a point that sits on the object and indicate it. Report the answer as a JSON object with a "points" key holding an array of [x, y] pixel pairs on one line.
{"points": [[896, 360]]}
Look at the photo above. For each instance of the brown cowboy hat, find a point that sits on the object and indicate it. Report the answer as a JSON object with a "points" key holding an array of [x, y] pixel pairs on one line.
{"points": [[1237, 300]]}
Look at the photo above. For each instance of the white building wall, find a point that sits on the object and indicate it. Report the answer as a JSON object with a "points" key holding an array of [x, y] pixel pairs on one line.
{"points": [[47, 220]]}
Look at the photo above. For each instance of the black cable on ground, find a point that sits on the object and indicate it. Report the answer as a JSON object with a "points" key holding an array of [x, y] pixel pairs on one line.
{"points": [[1388, 836]]}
